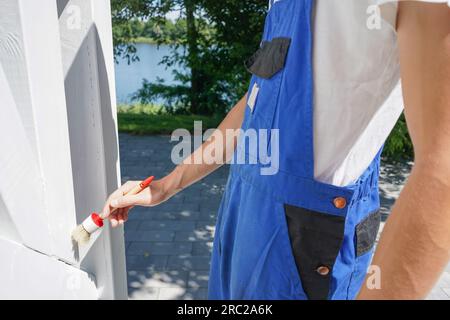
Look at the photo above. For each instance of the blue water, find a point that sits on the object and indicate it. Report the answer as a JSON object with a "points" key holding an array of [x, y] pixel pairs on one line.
{"points": [[129, 76]]}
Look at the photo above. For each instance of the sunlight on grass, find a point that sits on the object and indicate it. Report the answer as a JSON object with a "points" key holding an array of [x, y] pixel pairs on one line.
{"points": [[152, 119]]}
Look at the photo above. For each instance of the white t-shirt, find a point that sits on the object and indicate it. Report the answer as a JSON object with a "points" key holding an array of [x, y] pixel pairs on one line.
{"points": [[357, 90]]}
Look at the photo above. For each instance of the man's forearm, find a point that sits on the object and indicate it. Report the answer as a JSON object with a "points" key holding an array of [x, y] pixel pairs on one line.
{"points": [[191, 171], [414, 247]]}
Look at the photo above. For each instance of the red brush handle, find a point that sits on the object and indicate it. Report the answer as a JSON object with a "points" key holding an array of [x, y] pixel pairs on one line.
{"points": [[144, 184]]}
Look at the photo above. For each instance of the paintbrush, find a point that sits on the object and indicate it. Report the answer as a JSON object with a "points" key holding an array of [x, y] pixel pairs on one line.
{"points": [[94, 222]]}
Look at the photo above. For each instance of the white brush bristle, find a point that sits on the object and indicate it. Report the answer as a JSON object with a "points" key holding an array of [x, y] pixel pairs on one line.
{"points": [[80, 235]]}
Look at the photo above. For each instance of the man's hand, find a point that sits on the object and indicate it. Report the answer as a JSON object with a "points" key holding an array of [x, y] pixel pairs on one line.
{"points": [[118, 205]]}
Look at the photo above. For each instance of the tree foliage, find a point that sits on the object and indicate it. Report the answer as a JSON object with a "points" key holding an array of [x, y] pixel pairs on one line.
{"points": [[210, 40], [399, 145]]}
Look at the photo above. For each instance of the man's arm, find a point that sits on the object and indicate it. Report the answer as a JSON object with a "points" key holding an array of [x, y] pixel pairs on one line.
{"points": [[184, 174], [189, 172], [415, 245]]}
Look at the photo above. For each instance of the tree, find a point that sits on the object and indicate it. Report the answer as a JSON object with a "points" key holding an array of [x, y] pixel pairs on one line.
{"points": [[218, 37]]}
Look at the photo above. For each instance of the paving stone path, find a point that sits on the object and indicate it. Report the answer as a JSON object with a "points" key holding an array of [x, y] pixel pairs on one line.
{"points": [[168, 247]]}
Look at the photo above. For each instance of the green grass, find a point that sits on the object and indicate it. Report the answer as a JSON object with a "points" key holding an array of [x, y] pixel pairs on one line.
{"points": [[144, 40], [153, 120]]}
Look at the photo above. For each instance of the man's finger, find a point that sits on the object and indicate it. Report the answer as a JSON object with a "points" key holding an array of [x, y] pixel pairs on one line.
{"points": [[120, 215], [114, 222], [106, 211], [125, 201]]}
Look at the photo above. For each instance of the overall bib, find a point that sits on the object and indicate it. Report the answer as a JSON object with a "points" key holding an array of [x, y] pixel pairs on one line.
{"points": [[286, 235]]}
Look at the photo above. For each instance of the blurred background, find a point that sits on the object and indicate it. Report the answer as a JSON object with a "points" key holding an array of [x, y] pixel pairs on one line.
{"points": [[184, 58]]}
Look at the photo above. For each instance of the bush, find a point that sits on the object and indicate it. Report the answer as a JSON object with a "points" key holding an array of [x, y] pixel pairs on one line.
{"points": [[399, 146]]}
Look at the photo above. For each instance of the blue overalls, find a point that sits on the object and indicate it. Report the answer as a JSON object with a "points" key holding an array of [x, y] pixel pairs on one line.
{"points": [[286, 235]]}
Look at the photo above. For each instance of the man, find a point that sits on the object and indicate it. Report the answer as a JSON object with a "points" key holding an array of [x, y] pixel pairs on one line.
{"points": [[327, 77]]}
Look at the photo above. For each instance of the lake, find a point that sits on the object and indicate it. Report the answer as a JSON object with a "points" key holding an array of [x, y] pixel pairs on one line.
{"points": [[129, 76]]}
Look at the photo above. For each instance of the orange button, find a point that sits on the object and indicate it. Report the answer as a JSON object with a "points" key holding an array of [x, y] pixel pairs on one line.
{"points": [[323, 270], [340, 202]]}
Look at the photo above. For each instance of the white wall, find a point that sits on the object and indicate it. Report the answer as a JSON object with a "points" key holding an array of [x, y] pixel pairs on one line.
{"points": [[59, 151]]}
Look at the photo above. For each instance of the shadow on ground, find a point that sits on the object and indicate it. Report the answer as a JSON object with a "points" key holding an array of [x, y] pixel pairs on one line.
{"points": [[393, 176]]}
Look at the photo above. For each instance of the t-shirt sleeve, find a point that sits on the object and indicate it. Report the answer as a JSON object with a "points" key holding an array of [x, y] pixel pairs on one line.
{"points": [[388, 9]]}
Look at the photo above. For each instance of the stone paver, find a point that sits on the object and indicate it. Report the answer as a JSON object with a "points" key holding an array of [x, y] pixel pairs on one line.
{"points": [[159, 248], [168, 247], [146, 262], [189, 262]]}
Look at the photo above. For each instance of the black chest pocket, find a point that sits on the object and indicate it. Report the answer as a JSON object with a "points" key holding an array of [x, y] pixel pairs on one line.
{"points": [[269, 59], [267, 66]]}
